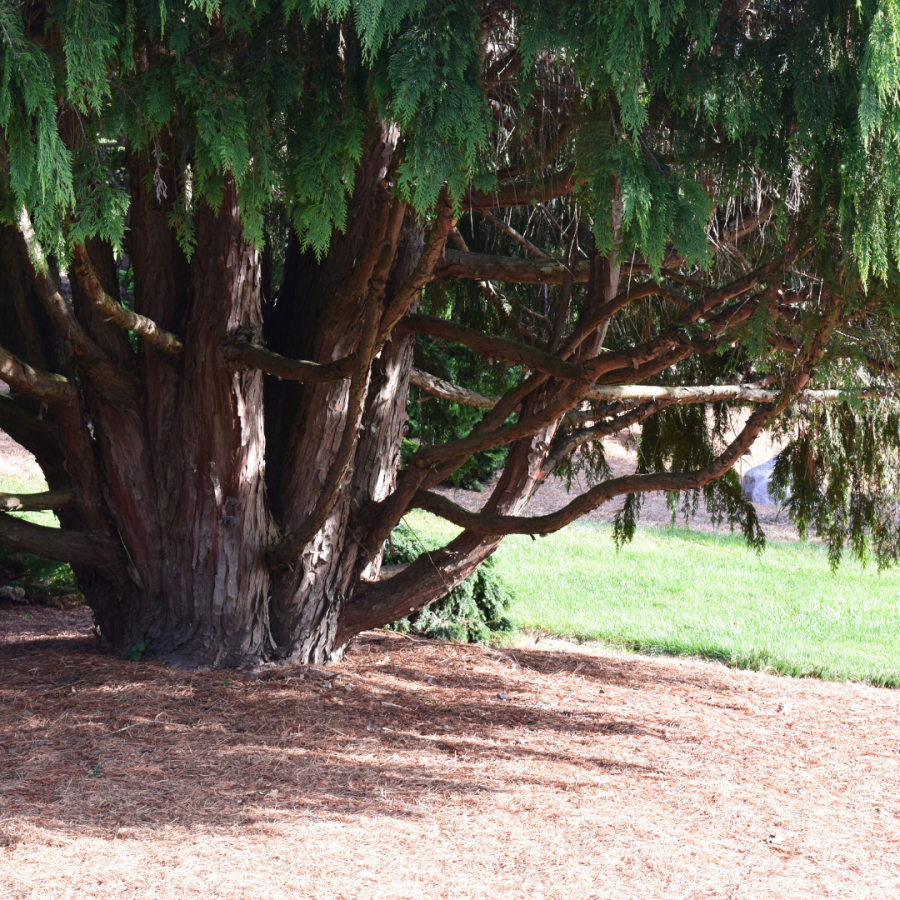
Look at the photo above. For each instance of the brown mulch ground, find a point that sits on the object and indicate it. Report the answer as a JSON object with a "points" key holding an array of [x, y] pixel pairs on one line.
{"points": [[421, 770]]}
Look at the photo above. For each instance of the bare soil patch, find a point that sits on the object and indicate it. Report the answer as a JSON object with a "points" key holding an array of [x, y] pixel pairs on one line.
{"points": [[16, 461], [422, 770]]}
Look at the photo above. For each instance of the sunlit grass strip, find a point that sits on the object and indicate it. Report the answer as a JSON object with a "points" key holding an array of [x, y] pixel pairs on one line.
{"points": [[687, 593]]}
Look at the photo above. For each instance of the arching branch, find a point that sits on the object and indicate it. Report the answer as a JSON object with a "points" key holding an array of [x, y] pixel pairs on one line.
{"points": [[130, 321], [629, 484], [501, 348]]}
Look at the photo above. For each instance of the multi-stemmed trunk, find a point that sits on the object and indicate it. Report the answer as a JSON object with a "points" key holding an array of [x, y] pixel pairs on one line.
{"points": [[184, 469], [226, 488]]}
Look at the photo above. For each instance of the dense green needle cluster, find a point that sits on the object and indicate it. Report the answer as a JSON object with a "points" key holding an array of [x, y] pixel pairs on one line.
{"points": [[679, 101]]}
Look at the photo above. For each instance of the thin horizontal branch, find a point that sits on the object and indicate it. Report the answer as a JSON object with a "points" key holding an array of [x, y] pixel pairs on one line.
{"points": [[53, 543], [522, 191], [712, 393], [130, 321], [520, 239], [453, 392], [635, 393], [501, 348], [484, 267], [36, 502], [243, 353]]}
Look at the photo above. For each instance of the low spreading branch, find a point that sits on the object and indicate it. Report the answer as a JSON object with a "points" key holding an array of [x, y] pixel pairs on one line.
{"points": [[54, 543], [477, 523], [36, 502], [130, 321], [45, 387]]}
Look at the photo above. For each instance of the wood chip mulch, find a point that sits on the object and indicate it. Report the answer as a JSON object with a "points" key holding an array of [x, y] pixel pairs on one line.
{"points": [[424, 770]]}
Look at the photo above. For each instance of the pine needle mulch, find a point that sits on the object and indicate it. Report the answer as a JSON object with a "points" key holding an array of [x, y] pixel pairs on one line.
{"points": [[421, 770]]}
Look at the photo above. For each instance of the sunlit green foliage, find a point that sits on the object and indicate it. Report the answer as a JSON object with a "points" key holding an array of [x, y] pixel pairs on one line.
{"points": [[283, 92]]}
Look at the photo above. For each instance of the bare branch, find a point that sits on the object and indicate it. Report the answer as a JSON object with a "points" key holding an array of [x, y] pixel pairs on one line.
{"points": [[424, 270], [484, 267], [501, 348], [243, 353], [130, 321], [453, 392], [54, 543], [521, 240], [712, 393], [495, 298], [637, 393], [522, 192], [629, 484], [43, 386], [711, 300], [36, 502], [59, 311]]}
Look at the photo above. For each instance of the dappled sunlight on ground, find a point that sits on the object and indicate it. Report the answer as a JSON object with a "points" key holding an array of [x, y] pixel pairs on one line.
{"points": [[432, 770]]}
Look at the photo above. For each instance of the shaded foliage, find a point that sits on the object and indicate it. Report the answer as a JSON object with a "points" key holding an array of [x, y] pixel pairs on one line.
{"points": [[475, 611]]}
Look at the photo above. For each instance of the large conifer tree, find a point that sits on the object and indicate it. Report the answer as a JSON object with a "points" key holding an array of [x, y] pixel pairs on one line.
{"points": [[228, 227]]}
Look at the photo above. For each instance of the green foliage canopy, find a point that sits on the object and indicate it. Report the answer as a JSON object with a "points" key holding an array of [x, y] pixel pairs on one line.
{"points": [[281, 93]]}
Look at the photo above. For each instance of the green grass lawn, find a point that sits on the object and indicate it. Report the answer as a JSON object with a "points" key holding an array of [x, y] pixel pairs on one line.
{"points": [[20, 484], [27, 569], [681, 592]]}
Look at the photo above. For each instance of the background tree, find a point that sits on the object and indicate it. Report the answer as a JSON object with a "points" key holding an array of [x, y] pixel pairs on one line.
{"points": [[227, 225]]}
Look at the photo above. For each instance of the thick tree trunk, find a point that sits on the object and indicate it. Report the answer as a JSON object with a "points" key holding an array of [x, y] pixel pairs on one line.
{"points": [[187, 470], [183, 476]]}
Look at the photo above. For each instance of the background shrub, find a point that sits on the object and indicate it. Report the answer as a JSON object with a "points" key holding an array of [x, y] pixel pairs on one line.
{"points": [[474, 612]]}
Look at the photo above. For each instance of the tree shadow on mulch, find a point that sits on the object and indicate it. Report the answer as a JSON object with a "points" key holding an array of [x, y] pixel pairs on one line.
{"points": [[91, 742]]}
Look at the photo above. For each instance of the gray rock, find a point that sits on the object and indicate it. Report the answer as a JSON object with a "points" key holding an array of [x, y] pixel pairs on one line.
{"points": [[757, 483]]}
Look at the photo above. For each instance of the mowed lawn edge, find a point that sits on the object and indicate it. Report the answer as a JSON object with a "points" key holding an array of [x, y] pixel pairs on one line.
{"points": [[681, 592], [687, 593]]}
